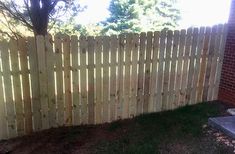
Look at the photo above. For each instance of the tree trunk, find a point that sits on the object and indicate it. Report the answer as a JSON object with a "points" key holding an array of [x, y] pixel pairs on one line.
{"points": [[39, 16]]}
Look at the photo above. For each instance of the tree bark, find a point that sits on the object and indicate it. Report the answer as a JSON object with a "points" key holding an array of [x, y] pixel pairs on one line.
{"points": [[40, 16]]}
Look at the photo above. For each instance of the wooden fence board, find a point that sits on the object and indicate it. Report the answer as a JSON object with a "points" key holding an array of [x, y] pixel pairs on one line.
{"points": [[141, 74], [203, 64], [121, 46], [191, 66], [153, 77], [83, 76], [166, 81], [159, 105], [113, 82], [91, 89], [134, 75], [51, 82], [17, 87], [59, 80], [42, 81], [10, 109], [95, 80], [67, 80], [185, 66], [106, 48], [214, 59], [98, 81], [173, 70], [34, 75], [75, 81], [197, 65], [147, 72], [209, 61], [182, 42], [25, 84], [126, 105], [3, 115]]}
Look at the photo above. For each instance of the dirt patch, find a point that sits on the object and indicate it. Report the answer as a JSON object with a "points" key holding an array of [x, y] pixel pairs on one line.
{"points": [[175, 132], [64, 140]]}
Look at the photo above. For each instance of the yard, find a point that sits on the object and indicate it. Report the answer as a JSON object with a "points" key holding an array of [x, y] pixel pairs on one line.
{"points": [[180, 131]]}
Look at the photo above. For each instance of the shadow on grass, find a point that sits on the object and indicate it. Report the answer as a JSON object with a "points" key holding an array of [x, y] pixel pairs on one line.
{"points": [[163, 132]]}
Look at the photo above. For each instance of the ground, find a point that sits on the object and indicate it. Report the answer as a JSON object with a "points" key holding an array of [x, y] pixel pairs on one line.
{"points": [[180, 131]]}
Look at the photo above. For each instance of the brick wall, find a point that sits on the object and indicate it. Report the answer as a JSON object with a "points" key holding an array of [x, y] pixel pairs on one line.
{"points": [[227, 82]]}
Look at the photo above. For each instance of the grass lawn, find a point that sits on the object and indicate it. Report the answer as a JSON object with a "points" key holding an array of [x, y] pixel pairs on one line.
{"points": [[180, 131]]}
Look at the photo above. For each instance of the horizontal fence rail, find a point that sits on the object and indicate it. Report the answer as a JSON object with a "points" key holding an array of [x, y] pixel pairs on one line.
{"points": [[65, 80]]}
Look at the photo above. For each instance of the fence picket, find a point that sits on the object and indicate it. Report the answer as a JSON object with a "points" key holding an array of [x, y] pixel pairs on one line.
{"points": [[34, 75], [67, 80], [83, 77], [3, 114], [147, 72], [41, 55], [59, 80], [173, 69], [120, 100], [197, 65], [159, 105], [10, 109], [168, 52], [113, 82], [126, 105], [75, 81], [25, 84], [185, 66], [17, 87], [141, 74], [214, 62], [180, 57], [51, 81], [134, 75], [98, 81], [153, 77], [209, 61], [106, 48], [91, 89], [191, 70], [203, 64]]}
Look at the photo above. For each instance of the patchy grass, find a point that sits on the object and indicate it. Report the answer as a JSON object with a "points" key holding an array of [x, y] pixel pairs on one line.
{"points": [[179, 131]]}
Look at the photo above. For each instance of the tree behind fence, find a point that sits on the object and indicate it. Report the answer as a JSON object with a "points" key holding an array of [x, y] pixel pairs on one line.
{"points": [[55, 81]]}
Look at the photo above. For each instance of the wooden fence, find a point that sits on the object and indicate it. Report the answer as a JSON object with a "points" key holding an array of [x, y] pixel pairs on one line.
{"points": [[55, 81]]}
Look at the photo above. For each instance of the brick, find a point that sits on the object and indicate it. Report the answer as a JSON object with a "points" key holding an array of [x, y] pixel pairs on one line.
{"points": [[227, 82]]}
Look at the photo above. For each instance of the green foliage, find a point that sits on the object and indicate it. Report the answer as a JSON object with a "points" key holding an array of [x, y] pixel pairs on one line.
{"points": [[36, 16], [125, 16], [141, 15], [72, 28]]}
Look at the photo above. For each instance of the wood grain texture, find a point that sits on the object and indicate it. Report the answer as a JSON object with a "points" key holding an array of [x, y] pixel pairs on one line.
{"points": [[10, 107], [149, 47], [56, 81], [25, 84], [34, 76], [91, 88], [59, 80], [140, 89], [75, 81]]}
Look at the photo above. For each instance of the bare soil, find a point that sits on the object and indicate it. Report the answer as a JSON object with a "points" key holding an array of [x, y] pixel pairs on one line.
{"points": [[146, 134]]}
